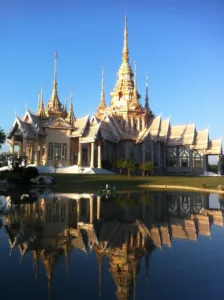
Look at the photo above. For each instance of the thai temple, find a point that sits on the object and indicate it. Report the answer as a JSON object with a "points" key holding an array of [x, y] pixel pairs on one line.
{"points": [[124, 128], [56, 225]]}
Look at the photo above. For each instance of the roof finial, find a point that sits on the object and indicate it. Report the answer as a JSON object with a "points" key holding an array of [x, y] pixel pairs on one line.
{"points": [[102, 100], [125, 49], [65, 103], [54, 105], [55, 65], [70, 117], [41, 111], [147, 93]]}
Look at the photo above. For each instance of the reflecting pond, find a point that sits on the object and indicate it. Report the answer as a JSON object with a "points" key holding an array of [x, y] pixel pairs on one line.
{"points": [[149, 245]]}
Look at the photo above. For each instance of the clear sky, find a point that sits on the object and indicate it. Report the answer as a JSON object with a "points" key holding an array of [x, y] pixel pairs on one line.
{"points": [[179, 43]]}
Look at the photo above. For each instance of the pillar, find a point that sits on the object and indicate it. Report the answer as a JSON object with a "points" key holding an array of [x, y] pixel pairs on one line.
{"points": [[143, 123], [91, 210], [98, 207], [36, 153], [68, 163], [205, 163], [80, 155], [219, 165], [12, 145], [78, 210], [99, 155], [152, 153], [88, 154], [92, 155], [24, 146]]}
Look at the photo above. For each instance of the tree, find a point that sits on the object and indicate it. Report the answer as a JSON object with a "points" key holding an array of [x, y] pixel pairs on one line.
{"points": [[2, 137], [120, 164], [146, 167], [130, 166]]}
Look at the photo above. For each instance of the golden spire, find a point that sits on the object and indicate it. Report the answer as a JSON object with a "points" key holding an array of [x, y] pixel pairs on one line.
{"points": [[102, 99], [70, 117], [41, 112], [125, 48], [124, 85], [54, 104], [135, 92], [147, 94]]}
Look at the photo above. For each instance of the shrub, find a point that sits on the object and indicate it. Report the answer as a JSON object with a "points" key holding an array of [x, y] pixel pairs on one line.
{"points": [[29, 173]]}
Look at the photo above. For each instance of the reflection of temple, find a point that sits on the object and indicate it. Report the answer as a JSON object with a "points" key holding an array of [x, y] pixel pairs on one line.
{"points": [[122, 233]]}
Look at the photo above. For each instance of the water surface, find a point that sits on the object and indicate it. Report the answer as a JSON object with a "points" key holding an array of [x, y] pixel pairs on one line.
{"points": [[159, 245]]}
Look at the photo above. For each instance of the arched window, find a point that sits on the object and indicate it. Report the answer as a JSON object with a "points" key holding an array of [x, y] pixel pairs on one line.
{"points": [[171, 156], [197, 159], [184, 157]]}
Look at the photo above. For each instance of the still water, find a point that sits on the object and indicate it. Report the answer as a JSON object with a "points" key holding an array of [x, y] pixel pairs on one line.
{"points": [[136, 246]]}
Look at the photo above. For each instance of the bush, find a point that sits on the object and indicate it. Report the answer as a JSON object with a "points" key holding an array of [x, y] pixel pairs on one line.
{"points": [[29, 173]]}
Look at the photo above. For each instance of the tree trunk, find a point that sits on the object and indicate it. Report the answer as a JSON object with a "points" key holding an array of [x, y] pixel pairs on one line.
{"points": [[143, 173], [129, 173]]}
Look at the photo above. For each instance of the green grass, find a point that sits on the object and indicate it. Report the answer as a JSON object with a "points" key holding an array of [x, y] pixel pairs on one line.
{"points": [[92, 183]]}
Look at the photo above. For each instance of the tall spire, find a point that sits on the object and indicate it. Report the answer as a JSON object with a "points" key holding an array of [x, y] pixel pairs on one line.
{"points": [[70, 117], [41, 112], [54, 105], [147, 94], [135, 92], [125, 48], [102, 99], [124, 85]]}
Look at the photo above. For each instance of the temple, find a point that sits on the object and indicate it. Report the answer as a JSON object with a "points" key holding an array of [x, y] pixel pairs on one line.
{"points": [[125, 128]]}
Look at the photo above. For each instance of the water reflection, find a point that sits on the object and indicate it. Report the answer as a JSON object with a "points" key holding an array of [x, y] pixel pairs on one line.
{"points": [[124, 231]]}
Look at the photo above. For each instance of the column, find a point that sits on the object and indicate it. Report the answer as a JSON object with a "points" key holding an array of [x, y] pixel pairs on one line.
{"points": [[219, 165], [88, 154], [12, 145], [99, 155], [78, 210], [92, 156], [80, 155], [24, 146], [68, 163], [152, 153], [91, 210], [98, 207], [36, 153], [143, 123], [143, 152], [205, 162]]}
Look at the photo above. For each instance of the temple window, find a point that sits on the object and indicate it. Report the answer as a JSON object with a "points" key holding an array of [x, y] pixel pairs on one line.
{"points": [[57, 151], [171, 156], [197, 159], [50, 151], [184, 157], [64, 151]]}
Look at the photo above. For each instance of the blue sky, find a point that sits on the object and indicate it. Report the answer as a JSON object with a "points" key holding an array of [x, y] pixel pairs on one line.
{"points": [[179, 43]]}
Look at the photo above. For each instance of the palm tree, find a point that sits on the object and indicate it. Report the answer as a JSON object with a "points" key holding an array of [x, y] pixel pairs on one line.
{"points": [[2, 137]]}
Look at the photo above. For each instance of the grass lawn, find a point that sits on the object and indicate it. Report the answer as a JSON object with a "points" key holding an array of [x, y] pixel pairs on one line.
{"points": [[92, 183]]}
